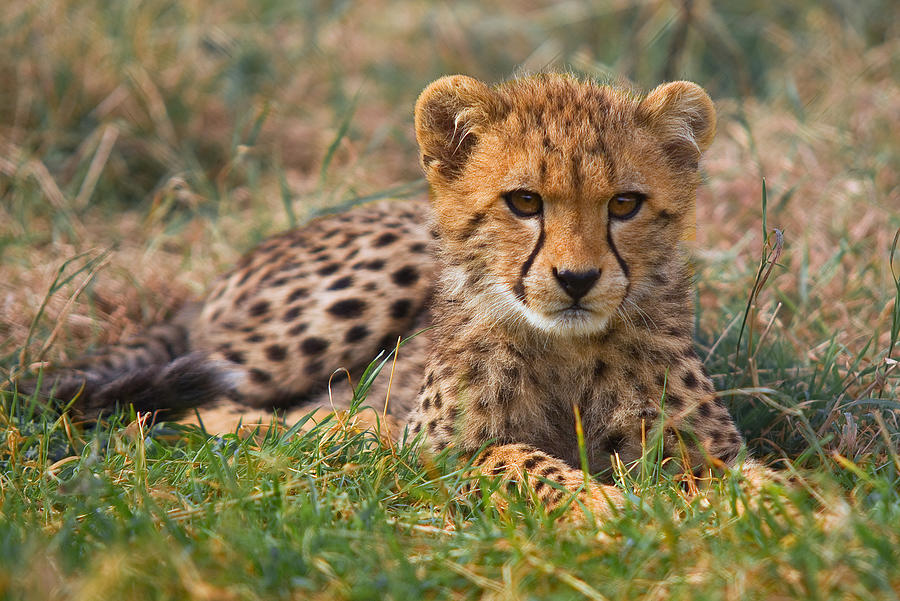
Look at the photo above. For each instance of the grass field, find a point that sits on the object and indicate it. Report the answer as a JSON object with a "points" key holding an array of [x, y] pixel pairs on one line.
{"points": [[144, 145]]}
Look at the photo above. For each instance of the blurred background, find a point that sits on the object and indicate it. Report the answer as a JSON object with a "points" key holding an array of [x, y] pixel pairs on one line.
{"points": [[144, 145]]}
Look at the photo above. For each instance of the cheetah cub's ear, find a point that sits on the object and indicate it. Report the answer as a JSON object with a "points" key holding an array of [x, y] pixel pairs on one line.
{"points": [[683, 118], [450, 114]]}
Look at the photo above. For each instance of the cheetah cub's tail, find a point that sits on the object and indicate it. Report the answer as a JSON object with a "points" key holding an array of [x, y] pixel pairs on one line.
{"points": [[156, 370]]}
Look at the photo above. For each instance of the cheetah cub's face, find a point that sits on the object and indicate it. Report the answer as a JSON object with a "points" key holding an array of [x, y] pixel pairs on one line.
{"points": [[560, 202]]}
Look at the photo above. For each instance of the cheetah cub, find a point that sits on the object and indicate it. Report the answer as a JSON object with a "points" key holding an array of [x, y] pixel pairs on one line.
{"points": [[560, 205], [548, 268]]}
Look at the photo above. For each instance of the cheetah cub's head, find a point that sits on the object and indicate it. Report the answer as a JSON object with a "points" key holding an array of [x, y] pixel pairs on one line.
{"points": [[560, 203]]}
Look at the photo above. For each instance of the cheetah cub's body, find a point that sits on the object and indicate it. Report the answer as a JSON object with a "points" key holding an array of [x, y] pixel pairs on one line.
{"points": [[557, 280]]}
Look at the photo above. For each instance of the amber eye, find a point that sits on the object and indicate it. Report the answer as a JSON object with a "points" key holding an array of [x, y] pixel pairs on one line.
{"points": [[626, 205], [524, 203]]}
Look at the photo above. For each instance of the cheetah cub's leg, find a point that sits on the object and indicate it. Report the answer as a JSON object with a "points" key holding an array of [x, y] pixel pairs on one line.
{"points": [[513, 461]]}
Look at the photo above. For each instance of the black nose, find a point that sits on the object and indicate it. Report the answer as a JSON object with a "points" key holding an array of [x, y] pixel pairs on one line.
{"points": [[576, 283]]}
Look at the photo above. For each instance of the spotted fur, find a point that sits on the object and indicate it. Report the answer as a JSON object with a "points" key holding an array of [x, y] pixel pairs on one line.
{"points": [[535, 317], [520, 353]]}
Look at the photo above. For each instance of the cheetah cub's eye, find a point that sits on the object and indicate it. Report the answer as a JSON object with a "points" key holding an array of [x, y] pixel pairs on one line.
{"points": [[524, 203], [625, 205]]}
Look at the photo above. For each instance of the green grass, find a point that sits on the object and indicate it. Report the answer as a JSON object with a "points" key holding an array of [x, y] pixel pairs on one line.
{"points": [[144, 146], [332, 513]]}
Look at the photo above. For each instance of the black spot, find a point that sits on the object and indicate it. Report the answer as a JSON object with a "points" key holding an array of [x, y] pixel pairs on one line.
{"points": [[549, 471], [400, 308], [430, 379], [690, 380], [298, 329], [599, 369], [280, 282], [292, 314], [328, 269], [259, 376], [373, 265], [241, 298], [297, 294], [244, 278], [426, 403], [674, 400], [532, 461], [437, 400], [235, 357], [356, 333], [313, 368], [255, 338], [341, 283], [384, 239], [704, 409], [276, 352], [432, 426], [418, 247], [612, 443], [476, 374], [405, 276], [259, 308], [266, 275], [660, 279], [313, 345], [347, 308], [388, 342]]}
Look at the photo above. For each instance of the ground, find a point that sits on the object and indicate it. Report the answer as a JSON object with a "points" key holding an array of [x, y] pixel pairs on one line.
{"points": [[145, 147]]}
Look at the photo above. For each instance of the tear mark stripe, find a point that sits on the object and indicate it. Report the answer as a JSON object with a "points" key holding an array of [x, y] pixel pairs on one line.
{"points": [[612, 247], [519, 288]]}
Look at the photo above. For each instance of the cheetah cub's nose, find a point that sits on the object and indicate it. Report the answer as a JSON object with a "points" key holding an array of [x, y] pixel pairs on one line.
{"points": [[576, 283]]}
